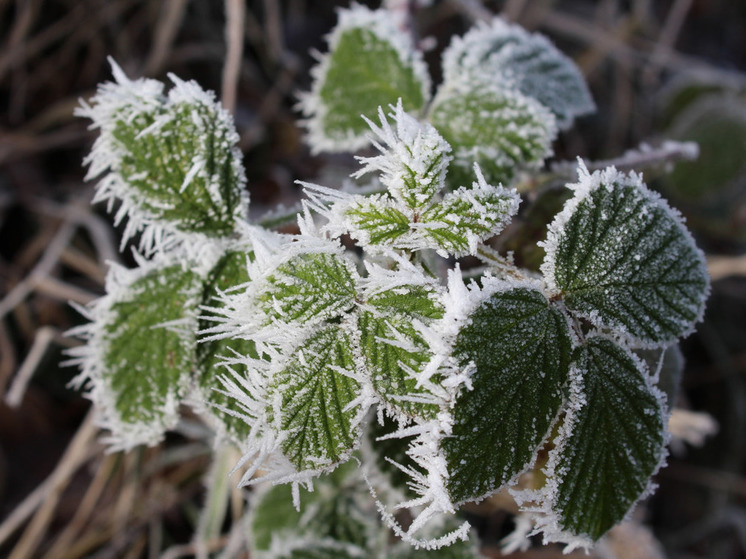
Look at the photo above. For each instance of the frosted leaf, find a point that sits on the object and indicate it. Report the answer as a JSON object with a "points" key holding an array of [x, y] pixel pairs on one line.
{"points": [[468, 216], [394, 350], [502, 130], [315, 403], [370, 64], [139, 356], [622, 258], [508, 56], [611, 442], [229, 272], [519, 347], [337, 509], [309, 287], [413, 160], [172, 162]]}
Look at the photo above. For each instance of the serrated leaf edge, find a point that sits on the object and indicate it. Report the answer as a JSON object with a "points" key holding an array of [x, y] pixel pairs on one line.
{"points": [[538, 504]]}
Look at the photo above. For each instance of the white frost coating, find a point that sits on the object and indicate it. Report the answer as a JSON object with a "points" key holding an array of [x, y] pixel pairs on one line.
{"points": [[128, 100], [587, 184], [413, 161], [384, 26], [540, 504], [91, 358], [507, 55]]}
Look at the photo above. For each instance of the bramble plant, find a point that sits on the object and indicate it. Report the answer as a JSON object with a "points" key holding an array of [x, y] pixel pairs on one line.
{"points": [[319, 358]]}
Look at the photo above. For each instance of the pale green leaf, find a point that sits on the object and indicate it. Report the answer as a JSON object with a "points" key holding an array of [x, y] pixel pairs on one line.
{"points": [[622, 258], [500, 129], [310, 287], [507, 56], [393, 350], [615, 442], [147, 366], [316, 392], [468, 216], [172, 162], [370, 64], [376, 220], [520, 346]]}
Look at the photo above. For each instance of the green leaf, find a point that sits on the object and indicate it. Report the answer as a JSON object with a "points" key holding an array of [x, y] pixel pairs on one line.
{"points": [[615, 441], [375, 220], [331, 511], [520, 346], [502, 130], [316, 393], [468, 216], [229, 272], [146, 366], [309, 288], [393, 350], [370, 64], [622, 258], [507, 56], [173, 162]]}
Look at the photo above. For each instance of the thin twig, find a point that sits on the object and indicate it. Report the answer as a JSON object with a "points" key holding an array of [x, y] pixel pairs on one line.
{"points": [[725, 266], [640, 158], [42, 269], [273, 29], [44, 336], [85, 507], [7, 358], [235, 14]]}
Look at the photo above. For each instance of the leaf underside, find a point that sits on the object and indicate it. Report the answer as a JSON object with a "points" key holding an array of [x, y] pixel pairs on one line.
{"points": [[615, 444], [624, 260], [521, 348]]}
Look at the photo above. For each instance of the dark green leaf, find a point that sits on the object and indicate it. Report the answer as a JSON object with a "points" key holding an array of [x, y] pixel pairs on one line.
{"points": [[623, 259], [230, 271], [520, 346], [615, 442]]}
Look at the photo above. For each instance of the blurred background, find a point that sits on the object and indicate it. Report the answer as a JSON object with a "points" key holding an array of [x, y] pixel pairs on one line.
{"points": [[658, 69]]}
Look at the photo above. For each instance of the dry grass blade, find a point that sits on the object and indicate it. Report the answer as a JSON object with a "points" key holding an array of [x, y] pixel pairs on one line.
{"points": [[235, 15], [44, 499]]}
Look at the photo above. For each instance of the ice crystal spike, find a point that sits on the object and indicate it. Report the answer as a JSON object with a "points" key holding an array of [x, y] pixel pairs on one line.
{"points": [[507, 56], [501, 129], [413, 160], [370, 64], [170, 162], [622, 258]]}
